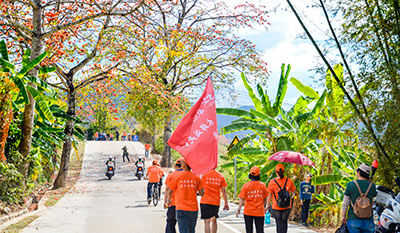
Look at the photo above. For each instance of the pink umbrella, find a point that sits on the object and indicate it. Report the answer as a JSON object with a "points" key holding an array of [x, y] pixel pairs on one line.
{"points": [[291, 157]]}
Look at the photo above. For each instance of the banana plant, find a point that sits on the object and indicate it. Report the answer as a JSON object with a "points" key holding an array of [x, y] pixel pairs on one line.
{"points": [[14, 84]]}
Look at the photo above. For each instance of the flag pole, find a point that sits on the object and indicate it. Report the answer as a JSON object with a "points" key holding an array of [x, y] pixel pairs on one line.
{"points": [[235, 177]]}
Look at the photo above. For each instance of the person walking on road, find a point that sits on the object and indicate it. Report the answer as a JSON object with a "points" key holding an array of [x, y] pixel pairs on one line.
{"points": [[359, 217], [214, 183], [171, 216], [153, 174], [253, 196], [306, 191], [146, 150], [125, 154], [279, 190], [186, 185]]}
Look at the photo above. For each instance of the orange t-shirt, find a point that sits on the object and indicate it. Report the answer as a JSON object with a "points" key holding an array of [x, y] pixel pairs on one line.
{"points": [[213, 181], [168, 180], [153, 172], [146, 146], [254, 192], [185, 185], [274, 189]]}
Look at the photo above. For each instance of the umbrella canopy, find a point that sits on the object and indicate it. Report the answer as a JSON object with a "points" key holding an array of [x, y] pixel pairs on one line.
{"points": [[291, 157]]}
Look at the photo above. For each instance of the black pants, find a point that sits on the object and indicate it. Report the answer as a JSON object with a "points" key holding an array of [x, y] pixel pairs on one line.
{"points": [[123, 157], [171, 220], [304, 210], [281, 219], [259, 222]]}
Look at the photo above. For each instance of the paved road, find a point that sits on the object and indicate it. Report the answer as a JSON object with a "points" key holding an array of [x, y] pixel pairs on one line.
{"points": [[99, 205]]}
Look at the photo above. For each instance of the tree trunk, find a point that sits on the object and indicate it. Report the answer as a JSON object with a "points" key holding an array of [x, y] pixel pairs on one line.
{"points": [[153, 143], [6, 116], [29, 111], [166, 157], [67, 147]]}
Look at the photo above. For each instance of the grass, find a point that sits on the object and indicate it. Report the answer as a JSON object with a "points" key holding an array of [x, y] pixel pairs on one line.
{"points": [[53, 196], [17, 227]]}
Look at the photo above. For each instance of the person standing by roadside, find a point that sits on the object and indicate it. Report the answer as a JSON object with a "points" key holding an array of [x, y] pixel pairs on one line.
{"points": [[117, 135], [280, 189], [111, 137], [306, 191], [253, 196], [186, 185], [359, 217], [124, 136], [171, 212], [153, 174], [146, 150], [214, 183], [96, 136]]}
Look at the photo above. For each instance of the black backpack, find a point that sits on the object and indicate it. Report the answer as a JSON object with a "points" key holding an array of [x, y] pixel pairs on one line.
{"points": [[283, 199]]}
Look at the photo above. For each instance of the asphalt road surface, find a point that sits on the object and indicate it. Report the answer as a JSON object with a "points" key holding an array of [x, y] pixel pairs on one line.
{"points": [[97, 205]]}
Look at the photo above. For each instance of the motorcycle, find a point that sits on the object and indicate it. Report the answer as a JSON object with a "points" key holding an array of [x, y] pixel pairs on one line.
{"points": [[110, 171], [139, 170], [388, 209]]}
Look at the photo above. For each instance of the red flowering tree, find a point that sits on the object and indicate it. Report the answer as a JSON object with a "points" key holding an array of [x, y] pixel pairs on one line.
{"points": [[179, 44]]}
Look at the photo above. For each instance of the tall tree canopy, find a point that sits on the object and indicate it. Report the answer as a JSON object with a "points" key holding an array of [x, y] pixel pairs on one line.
{"points": [[176, 46]]}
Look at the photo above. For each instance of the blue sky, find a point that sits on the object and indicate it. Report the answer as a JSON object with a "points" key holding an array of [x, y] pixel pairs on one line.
{"points": [[280, 44]]}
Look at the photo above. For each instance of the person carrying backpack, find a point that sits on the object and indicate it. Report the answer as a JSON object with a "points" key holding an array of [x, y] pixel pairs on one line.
{"points": [[358, 196], [279, 190]]}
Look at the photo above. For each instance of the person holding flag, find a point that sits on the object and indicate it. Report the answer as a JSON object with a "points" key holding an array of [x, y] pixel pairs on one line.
{"points": [[171, 216], [185, 185]]}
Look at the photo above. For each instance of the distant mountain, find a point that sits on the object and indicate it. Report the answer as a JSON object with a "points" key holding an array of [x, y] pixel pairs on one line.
{"points": [[224, 120]]}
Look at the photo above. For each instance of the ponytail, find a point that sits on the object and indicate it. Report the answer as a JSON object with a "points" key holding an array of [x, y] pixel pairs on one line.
{"points": [[281, 173]]}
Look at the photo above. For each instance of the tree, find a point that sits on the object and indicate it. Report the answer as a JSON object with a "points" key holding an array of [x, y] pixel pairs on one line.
{"points": [[177, 46], [41, 24], [371, 29]]}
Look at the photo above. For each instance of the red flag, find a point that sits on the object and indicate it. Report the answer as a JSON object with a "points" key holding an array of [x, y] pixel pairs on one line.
{"points": [[196, 137]]}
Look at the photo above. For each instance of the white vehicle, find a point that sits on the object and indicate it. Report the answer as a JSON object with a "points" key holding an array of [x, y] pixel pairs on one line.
{"points": [[389, 220]]}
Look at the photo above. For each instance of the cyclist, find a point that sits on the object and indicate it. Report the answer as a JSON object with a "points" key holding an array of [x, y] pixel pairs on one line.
{"points": [[153, 174]]}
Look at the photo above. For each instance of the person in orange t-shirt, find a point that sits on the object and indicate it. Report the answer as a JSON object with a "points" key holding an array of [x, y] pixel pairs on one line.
{"points": [[253, 195], [171, 216], [153, 174], [281, 214], [146, 150], [185, 185], [214, 183]]}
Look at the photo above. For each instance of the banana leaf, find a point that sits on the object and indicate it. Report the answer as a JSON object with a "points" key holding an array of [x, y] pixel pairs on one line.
{"points": [[42, 107], [264, 100], [306, 90], [256, 101], [243, 126], [327, 179], [3, 50], [31, 65], [235, 112], [282, 88]]}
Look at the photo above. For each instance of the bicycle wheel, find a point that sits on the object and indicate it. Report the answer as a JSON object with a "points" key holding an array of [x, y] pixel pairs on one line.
{"points": [[155, 195]]}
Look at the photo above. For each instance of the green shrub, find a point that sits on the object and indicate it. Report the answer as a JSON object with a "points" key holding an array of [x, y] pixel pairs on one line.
{"points": [[11, 184]]}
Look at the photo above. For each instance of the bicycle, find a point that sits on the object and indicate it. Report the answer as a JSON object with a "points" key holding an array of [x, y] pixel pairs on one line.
{"points": [[155, 194]]}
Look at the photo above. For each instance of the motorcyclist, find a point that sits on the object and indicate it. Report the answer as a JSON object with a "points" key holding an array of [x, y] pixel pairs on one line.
{"points": [[140, 160], [110, 162]]}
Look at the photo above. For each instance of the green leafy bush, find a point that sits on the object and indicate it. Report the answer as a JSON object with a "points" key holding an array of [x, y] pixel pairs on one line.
{"points": [[11, 184]]}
